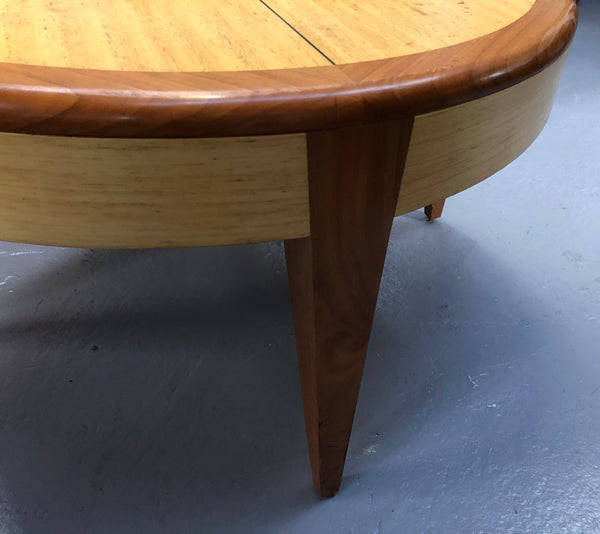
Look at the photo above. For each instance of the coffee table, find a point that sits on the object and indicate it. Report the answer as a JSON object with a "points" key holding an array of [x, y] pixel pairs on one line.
{"points": [[186, 123]]}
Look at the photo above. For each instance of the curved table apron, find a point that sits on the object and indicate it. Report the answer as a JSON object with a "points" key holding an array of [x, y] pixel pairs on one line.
{"points": [[178, 127]]}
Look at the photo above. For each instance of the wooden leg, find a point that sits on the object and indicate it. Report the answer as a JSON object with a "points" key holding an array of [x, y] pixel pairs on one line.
{"points": [[354, 180], [434, 211]]}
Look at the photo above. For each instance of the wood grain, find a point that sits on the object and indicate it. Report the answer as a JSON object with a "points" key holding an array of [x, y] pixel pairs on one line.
{"points": [[152, 35], [152, 193], [350, 32], [44, 176], [186, 35], [458, 147], [354, 178], [103, 103]]}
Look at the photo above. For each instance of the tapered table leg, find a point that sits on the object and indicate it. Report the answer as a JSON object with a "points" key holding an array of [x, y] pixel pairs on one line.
{"points": [[354, 180], [434, 211]]}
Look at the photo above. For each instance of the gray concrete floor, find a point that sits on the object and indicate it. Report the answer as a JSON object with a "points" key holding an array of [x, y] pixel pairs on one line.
{"points": [[157, 391]]}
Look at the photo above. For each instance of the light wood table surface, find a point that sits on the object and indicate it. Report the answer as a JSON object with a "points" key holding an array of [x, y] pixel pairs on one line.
{"points": [[155, 123]]}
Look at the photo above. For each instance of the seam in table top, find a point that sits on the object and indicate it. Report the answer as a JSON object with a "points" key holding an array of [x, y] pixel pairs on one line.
{"points": [[296, 31]]}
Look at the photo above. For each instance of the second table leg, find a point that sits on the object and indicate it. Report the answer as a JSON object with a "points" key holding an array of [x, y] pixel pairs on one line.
{"points": [[434, 211]]}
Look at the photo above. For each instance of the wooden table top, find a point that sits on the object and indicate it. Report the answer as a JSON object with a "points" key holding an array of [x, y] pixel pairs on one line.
{"points": [[236, 35], [176, 68]]}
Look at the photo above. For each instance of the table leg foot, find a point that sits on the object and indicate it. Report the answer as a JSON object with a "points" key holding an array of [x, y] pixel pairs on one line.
{"points": [[434, 211], [334, 274]]}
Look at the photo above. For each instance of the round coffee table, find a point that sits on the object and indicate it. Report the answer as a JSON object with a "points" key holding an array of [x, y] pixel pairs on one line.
{"points": [[181, 123]]}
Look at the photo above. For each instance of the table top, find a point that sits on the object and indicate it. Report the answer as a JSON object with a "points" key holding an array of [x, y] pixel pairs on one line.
{"points": [[216, 35], [183, 68]]}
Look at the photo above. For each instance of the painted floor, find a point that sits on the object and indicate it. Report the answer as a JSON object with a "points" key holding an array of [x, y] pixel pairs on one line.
{"points": [[157, 391]]}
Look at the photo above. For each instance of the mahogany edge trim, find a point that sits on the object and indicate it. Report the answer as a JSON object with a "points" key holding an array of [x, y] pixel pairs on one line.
{"points": [[95, 103]]}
